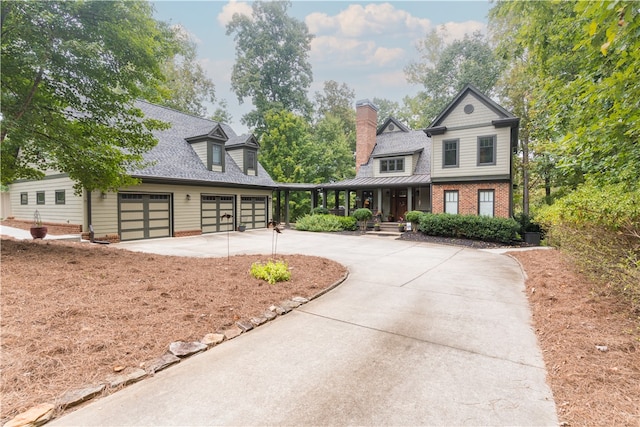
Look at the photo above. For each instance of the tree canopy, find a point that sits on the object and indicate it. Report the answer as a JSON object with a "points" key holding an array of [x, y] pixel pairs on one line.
{"points": [[443, 69], [272, 66], [186, 87], [70, 71]]}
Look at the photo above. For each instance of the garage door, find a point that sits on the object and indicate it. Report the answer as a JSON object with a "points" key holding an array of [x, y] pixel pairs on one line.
{"points": [[253, 211], [212, 208], [144, 216]]}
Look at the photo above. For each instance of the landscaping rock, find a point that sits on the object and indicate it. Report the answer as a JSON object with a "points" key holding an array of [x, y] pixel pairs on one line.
{"points": [[287, 306], [212, 339], [293, 304], [278, 309], [301, 300], [75, 397], [128, 377], [33, 417], [184, 349], [257, 321], [245, 325], [269, 315], [232, 332], [162, 362]]}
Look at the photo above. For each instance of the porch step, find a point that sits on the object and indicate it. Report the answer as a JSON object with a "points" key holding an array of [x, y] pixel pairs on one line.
{"points": [[383, 233]]}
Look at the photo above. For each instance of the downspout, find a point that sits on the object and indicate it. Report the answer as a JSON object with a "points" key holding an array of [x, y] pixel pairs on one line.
{"points": [[88, 208]]}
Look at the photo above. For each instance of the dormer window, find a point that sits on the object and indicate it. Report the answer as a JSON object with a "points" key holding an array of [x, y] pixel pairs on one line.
{"points": [[215, 156], [392, 165], [250, 162]]}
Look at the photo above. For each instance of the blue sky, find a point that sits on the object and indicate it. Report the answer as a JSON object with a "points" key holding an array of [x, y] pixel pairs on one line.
{"points": [[363, 44]]}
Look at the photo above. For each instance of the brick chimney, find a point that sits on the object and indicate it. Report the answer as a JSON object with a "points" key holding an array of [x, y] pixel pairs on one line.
{"points": [[366, 127]]}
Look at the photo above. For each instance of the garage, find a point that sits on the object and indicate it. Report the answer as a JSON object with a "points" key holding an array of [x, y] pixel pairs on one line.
{"points": [[144, 216], [213, 207], [253, 211]]}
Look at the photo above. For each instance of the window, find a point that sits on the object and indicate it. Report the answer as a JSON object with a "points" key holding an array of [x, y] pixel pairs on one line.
{"points": [[24, 198], [485, 202], [486, 150], [60, 197], [40, 198], [250, 161], [451, 201], [216, 154], [450, 153], [392, 165]]}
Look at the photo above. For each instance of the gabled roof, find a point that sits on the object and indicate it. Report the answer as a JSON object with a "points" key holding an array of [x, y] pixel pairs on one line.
{"points": [[392, 121], [174, 160], [397, 144], [246, 140], [488, 102], [216, 133]]}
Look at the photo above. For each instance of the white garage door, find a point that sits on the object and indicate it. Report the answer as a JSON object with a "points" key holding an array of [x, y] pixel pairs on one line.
{"points": [[144, 216], [213, 207], [253, 211]]}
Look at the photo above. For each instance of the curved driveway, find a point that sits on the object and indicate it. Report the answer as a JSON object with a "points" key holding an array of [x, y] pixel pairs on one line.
{"points": [[419, 334]]}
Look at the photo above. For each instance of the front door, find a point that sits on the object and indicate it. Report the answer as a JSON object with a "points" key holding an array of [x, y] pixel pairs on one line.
{"points": [[398, 203]]}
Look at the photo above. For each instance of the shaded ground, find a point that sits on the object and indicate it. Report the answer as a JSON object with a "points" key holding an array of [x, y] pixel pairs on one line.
{"points": [[71, 313]]}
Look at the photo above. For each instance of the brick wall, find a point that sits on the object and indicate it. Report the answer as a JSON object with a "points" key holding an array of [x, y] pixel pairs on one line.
{"points": [[185, 233], [468, 197], [366, 127]]}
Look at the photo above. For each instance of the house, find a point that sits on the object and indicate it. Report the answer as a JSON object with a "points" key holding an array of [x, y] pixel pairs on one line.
{"points": [[199, 171], [460, 164]]}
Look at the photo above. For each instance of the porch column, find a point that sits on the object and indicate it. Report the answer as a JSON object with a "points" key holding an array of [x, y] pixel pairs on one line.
{"points": [[347, 202], [286, 208], [314, 198], [337, 199], [409, 199], [278, 204], [325, 193], [379, 201]]}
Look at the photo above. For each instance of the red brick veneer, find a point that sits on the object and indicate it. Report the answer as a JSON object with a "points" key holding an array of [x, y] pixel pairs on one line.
{"points": [[468, 197]]}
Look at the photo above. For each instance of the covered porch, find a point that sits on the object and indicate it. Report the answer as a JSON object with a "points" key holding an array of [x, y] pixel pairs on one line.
{"points": [[389, 198]]}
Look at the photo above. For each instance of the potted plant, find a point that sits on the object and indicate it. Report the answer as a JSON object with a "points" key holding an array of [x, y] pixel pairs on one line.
{"points": [[242, 227], [376, 225], [38, 231], [401, 227], [363, 215]]}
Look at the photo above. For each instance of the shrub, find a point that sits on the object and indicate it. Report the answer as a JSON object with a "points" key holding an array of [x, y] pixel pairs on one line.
{"points": [[503, 230], [348, 223], [363, 215], [272, 271], [413, 217], [320, 210], [527, 224], [599, 227]]}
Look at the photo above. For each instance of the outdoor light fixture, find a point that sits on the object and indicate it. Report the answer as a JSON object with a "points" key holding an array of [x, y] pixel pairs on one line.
{"points": [[188, 196], [103, 195]]}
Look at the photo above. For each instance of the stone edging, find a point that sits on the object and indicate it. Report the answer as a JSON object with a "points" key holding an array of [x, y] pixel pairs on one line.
{"points": [[43, 413]]}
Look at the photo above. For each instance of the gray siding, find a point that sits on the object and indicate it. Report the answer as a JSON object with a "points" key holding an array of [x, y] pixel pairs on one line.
{"points": [[69, 213]]}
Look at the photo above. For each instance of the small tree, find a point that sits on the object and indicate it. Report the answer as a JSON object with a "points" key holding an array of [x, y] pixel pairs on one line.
{"points": [[363, 215]]}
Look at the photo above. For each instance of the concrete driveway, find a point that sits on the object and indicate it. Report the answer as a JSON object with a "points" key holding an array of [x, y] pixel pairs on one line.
{"points": [[419, 334]]}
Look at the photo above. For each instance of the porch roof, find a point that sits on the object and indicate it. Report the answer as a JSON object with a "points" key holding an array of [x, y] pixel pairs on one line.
{"points": [[391, 181]]}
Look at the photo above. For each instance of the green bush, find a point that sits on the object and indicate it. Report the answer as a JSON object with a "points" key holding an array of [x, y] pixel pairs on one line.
{"points": [[527, 224], [413, 217], [599, 227], [503, 230], [320, 210], [272, 271], [363, 215], [348, 223]]}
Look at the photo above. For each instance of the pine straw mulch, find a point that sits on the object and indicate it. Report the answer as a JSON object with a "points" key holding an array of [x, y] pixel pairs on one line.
{"points": [[572, 316], [68, 323], [72, 312]]}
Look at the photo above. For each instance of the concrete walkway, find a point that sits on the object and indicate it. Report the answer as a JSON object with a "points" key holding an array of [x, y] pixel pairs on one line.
{"points": [[419, 334]]}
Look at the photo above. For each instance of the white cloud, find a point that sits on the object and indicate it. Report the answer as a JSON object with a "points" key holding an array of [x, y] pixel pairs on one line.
{"points": [[456, 30], [231, 8], [372, 19], [384, 56]]}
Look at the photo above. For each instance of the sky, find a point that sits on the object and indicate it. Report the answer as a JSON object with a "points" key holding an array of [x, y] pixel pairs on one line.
{"points": [[366, 45]]}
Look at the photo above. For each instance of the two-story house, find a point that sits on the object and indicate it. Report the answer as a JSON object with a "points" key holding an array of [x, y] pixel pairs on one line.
{"points": [[461, 163], [199, 171]]}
